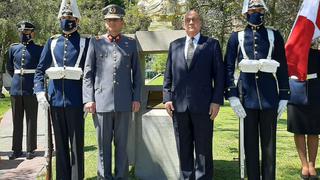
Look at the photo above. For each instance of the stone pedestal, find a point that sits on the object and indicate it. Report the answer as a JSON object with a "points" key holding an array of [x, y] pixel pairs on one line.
{"points": [[156, 153]]}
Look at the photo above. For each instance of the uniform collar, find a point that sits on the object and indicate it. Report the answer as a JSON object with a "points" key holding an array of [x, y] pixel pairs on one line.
{"points": [[27, 43], [73, 34], [257, 28], [116, 38]]}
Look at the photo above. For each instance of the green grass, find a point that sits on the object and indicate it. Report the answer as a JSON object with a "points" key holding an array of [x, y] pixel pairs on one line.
{"points": [[4, 105], [225, 147], [157, 81], [90, 152]]}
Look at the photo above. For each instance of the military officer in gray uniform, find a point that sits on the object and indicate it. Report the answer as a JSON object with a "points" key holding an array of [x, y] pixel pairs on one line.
{"points": [[62, 60], [111, 91]]}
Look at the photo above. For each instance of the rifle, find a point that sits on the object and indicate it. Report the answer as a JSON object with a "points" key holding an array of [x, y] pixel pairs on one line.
{"points": [[49, 138], [241, 132]]}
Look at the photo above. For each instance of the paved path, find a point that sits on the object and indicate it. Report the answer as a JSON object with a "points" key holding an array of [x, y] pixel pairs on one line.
{"points": [[21, 168]]}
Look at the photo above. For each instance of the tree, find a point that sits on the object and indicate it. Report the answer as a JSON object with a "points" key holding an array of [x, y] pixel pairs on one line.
{"points": [[159, 62]]}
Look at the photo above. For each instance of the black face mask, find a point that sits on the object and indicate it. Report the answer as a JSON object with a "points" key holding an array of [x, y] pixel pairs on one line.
{"points": [[68, 25], [255, 18], [25, 37]]}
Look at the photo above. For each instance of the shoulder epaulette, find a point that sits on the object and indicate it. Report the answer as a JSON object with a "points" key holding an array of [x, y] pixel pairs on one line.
{"points": [[14, 44], [55, 36]]}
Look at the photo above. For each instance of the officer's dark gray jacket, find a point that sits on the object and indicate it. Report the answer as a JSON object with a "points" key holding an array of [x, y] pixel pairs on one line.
{"points": [[112, 76], [259, 90]]}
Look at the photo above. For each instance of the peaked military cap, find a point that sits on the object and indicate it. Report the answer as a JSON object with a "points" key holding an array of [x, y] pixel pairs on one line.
{"points": [[113, 11], [25, 25]]}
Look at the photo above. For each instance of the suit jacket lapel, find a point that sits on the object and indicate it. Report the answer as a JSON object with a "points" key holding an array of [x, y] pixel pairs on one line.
{"points": [[200, 44]]}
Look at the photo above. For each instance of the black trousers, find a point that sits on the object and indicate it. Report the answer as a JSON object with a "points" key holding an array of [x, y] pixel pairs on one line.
{"points": [[194, 131], [21, 104], [260, 124], [68, 126]]}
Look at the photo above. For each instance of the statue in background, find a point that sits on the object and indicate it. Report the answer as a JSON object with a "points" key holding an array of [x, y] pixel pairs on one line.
{"points": [[160, 12]]}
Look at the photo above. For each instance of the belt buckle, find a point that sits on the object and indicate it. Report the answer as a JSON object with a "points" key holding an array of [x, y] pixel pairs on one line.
{"points": [[21, 71]]}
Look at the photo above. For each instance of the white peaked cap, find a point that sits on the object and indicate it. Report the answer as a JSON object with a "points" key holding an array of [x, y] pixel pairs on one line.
{"points": [[246, 5], [73, 7]]}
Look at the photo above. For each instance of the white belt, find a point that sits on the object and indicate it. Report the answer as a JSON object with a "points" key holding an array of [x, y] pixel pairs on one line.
{"points": [[312, 76], [24, 71]]}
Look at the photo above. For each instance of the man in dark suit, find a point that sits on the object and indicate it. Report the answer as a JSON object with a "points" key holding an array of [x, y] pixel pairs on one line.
{"points": [[194, 64], [23, 58]]}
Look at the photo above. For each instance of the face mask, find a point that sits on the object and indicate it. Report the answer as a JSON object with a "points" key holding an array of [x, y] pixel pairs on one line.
{"points": [[255, 18], [25, 37], [67, 25]]}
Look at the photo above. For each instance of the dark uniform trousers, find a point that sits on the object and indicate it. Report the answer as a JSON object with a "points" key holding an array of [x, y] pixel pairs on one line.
{"points": [[194, 131], [263, 122], [68, 125], [109, 125], [29, 104]]}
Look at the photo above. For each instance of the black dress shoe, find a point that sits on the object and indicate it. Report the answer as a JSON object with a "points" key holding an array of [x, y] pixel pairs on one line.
{"points": [[15, 155], [30, 155], [2, 95], [313, 177]]}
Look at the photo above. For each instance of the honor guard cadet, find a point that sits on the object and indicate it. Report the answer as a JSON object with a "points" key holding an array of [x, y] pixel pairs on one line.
{"points": [[62, 60], [111, 91], [262, 90], [23, 59]]}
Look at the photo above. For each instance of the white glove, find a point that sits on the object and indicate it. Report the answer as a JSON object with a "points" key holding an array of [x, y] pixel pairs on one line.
{"points": [[282, 107], [42, 100], [268, 65], [237, 107], [249, 66]]}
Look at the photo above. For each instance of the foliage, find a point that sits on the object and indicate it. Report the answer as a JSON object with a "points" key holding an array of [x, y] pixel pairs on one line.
{"points": [[159, 62], [4, 105], [44, 15], [135, 20], [221, 17]]}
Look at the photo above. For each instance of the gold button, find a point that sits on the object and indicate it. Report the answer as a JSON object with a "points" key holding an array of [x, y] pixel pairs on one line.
{"points": [[255, 37], [256, 45], [257, 77]]}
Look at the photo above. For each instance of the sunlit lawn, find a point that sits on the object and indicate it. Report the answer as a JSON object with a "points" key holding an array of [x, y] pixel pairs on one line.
{"points": [[225, 146], [4, 105]]}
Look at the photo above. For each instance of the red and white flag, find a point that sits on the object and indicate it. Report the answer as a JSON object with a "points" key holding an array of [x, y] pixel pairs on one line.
{"points": [[305, 29]]}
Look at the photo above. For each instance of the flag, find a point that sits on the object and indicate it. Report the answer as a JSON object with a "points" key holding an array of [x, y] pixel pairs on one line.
{"points": [[305, 29]]}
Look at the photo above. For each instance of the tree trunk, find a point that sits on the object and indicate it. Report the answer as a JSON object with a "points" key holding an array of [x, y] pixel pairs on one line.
{"points": [[273, 12]]}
